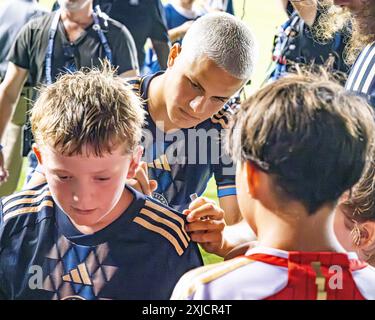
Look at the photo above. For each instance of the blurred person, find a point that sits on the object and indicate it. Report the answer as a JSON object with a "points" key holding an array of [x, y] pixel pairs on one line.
{"points": [[59, 42], [288, 138], [145, 19], [361, 47], [218, 5], [297, 42], [179, 15], [14, 14]]}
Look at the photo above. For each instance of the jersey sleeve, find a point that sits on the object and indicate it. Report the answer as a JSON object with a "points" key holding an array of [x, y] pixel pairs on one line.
{"points": [[225, 170], [19, 54], [190, 287], [190, 260], [124, 51], [159, 29]]}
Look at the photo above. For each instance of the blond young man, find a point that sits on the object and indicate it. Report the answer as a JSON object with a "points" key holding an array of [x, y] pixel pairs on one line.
{"points": [[84, 234]]}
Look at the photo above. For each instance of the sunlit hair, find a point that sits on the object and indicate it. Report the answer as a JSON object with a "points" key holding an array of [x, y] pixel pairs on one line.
{"points": [[310, 135], [359, 204], [89, 108], [361, 26], [224, 39]]}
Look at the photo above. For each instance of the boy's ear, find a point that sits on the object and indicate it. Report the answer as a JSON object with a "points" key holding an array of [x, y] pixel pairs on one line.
{"points": [[174, 52], [367, 234], [252, 178], [37, 153], [136, 159]]}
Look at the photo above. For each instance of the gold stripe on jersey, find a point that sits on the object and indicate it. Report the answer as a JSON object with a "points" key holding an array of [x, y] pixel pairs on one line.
{"points": [[136, 84], [165, 163], [78, 275], [23, 193], [75, 276], [84, 274], [162, 232], [221, 122], [192, 280], [158, 164], [222, 117], [26, 201], [166, 222], [161, 163], [46, 203], [168, 213]]}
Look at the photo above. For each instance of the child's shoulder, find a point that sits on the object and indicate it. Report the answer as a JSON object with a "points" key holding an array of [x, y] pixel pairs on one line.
{"points": [[24, 204], [193, 284], [165, 222]]}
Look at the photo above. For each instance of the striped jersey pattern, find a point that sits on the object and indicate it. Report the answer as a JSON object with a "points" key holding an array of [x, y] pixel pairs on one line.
{"points": [[361, 79]]}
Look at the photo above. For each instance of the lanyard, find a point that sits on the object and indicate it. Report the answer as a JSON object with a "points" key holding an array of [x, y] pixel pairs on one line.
{"points": [[51, 39]]}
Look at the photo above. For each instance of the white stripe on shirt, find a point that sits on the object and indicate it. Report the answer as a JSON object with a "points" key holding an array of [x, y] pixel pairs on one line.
{"points": [[353, 74], [363, 70]]}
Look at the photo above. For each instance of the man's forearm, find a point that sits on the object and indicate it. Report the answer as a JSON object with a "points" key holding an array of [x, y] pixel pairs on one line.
{"points": [[175, 33], [7, 107], [10, 91]]}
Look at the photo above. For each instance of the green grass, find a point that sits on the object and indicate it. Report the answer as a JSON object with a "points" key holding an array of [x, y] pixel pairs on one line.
{"points": [[263, 17]]}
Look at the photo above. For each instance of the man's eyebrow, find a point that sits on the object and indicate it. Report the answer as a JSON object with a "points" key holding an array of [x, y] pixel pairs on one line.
{"points": [[222, 98], [196, 82]]}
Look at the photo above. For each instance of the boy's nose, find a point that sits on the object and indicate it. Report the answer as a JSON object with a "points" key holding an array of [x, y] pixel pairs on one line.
{"points": [[81, 201]]}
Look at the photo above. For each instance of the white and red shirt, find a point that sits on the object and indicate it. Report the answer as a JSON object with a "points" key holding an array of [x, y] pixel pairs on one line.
{"points": [[267, 274]]}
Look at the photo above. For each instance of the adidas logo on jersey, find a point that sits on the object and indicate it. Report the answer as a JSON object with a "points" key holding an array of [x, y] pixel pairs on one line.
{"points": [[78, 275], [161, 163]]}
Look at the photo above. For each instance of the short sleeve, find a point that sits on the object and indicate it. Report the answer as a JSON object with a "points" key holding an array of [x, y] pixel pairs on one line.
{"points": [[124, 51], [224, 169], [20, 51], [225, 176], [159, 29]]}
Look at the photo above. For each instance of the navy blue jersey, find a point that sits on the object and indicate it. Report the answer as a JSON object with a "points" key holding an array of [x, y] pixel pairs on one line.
{"points": [[183, 162], [175, 18], [141, 255], [361, 79]]}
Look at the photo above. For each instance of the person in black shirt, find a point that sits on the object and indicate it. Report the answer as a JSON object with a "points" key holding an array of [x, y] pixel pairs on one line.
{"points": [[144, 19]]}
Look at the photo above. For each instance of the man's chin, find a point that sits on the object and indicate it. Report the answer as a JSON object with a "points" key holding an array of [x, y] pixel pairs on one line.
{"points": [[185, 123]]}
